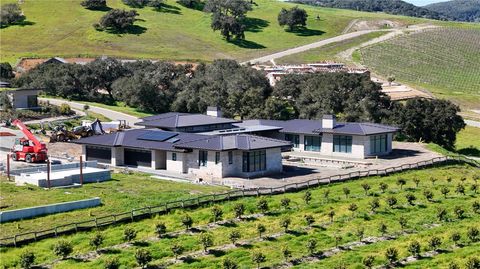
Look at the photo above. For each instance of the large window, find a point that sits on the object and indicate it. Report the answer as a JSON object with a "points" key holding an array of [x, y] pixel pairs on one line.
{"points": [[342, 143], [217, 157], [174, 156], [295, 139], [378, 143], [230, 157], [312, 143], [254, 161], [202, 157]]}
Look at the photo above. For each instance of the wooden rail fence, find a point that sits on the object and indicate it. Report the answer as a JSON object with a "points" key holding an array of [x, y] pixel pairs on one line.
{"points": [[149, 211]]}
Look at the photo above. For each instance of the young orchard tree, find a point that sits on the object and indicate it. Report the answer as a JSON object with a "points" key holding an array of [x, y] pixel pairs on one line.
{"points": [[474, 188], [258, 258], [374, 205], [416, 180], [307, 197], [261, 229], [160, 229], [403, 222], [233, 236], [62, 249], [455, 237], [382, 228], [284, 223], [217, 213], [401, 182], [411, 198], [227, 263], [331, 214], [366, 187], [286, 253], [428, 195], [368, 261], [239, 210], [391, 201], [294, 17], [27, 259], [434, 242], [177, 250], [360, 233], [391, 254], [129, 234], [473, 234], [414, 248], [472, 263], [460, 189], [441, 214], [383, 188], [346, 191], [433, 180], [187, 222], [111, 263], [459, 212], [262, 205], [312, 246], [353, 207], [309, 219], [326, 194], [285, 202], [476, 207], [453, 265], [143, 257], [206, 240], [338, 238], [445, 190], [96, 241]]}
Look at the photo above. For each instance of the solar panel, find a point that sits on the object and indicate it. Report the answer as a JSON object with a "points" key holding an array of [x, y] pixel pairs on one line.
{"points": [[157, 136]]}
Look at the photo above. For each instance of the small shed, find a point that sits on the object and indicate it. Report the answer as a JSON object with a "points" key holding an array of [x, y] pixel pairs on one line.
{"points": [[19, 98]]}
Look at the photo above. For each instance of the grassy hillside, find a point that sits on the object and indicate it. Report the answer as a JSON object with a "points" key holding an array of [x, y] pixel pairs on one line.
{"points": [[445, 61], [421, 215], [462, 10], [64, 28]]}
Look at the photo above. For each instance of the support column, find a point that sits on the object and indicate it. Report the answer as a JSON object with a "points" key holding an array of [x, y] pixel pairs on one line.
{"points": [[117, 156]]}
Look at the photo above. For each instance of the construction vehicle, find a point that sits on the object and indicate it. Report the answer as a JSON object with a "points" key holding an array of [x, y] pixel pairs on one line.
{"points": [[28, 149]]}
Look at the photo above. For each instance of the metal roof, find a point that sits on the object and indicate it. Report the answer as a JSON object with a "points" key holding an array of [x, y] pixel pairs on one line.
{"points": [[178, 120], [182, 141]]}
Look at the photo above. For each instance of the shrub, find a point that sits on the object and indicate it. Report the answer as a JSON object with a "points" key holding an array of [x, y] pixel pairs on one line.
{"points": [[414, 248], [428, 195], [94, 4], [455, 237], [111, 263], [368, 261], [374, 204], [459, 212], [434, 242], [444, 191], [410, 198], [258, 258], [129, 234], [403, 222], [460, 189], [62, 249], [441, 213], [312, 246], [27, 259], [143, 257], [65, 109], [391, 201], [472, 234], [96, 241]]}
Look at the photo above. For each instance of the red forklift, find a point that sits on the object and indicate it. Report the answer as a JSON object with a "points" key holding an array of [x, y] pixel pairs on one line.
{"points": [[28, 149]]}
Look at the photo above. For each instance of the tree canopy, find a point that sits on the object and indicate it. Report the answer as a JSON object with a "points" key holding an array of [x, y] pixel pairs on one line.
{"points": [[293, 17], [10, 14], [118, 20], [6, 71], [229, 17], [94, 4]]}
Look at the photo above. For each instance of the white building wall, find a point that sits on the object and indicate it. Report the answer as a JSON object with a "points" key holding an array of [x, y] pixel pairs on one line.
{"points": [[358, 147], [118, 156], [179, 165], [158, 159], [210, 171]]}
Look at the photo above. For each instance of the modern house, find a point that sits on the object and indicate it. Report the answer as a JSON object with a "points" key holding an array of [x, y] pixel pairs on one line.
{"points": [[21, 98], [202, 156]]}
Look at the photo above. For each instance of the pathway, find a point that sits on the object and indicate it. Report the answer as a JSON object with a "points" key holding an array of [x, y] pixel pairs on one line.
{"points": [[111, 114]]}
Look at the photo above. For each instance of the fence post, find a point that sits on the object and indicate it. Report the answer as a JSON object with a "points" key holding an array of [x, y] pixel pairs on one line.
{"points": [[35, 236], [114, 218], [48, 174], [76, 227], [55, 230], [132, 215], [96, 223], [149, 211], [8, 167], [15, 240], [81, 170], [166, 207], [183, 203]]}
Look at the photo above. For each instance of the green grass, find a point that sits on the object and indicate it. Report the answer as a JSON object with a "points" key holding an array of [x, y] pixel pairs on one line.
{"points": [[64, 28], [467, 143], [345, 224], [122, 193], [328, 52], [444, 61]]}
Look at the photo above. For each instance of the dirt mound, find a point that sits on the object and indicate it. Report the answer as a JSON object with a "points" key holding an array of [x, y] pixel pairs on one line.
{"points": [[375, 25]]}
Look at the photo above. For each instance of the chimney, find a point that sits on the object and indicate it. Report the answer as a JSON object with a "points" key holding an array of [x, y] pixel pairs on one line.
{"points": [[329, 121], [214, 111]]}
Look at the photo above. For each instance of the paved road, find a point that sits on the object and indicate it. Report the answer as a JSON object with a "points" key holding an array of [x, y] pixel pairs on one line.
{"points": [[113, 115], [314, 45], [472, 123]]}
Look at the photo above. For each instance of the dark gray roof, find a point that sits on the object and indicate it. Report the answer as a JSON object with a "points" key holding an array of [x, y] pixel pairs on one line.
{"points": [[178, 120], [181, 141], [300, 126], [359, 128], [230, 142]]}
